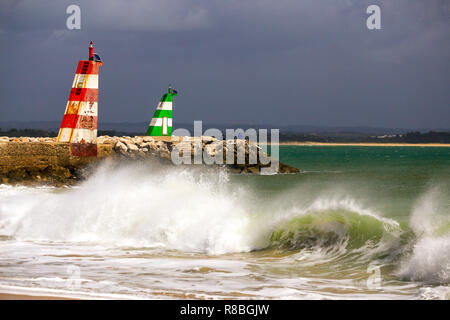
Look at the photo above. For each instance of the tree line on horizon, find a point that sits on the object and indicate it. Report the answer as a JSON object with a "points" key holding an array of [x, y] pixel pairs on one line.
{"points": [[410, 137]]}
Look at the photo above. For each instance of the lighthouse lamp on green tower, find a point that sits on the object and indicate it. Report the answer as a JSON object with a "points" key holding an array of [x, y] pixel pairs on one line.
{"points": [[161, 123]]}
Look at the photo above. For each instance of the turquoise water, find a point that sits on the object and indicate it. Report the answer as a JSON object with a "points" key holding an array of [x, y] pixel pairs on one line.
{"points": [[389, 178], [357, 223]]}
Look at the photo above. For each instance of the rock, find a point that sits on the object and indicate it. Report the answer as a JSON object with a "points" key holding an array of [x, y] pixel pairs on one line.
{"points": [[138, 140], [44, 160], [106, 140], [252, 154], [210, 150], [124, 140], [263, 158], [207, 140], [235, 170], [147, 139], [120, 146], [215, 149], [143, 144], [161, 146], [284, 168], [184, 148], [132, 147], [254, 170]]}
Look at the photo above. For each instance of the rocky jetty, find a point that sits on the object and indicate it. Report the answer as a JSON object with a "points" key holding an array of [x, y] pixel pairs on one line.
{"points": [[44, 160]]}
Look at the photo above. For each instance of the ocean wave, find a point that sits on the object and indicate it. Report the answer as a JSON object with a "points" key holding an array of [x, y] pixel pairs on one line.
{"points": [[177, 208], [198, 210], [429, 261], [434, 293], [332, 227], [182, 209]]}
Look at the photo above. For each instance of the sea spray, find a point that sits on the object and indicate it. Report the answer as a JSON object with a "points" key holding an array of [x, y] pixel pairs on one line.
{"points": [[429, 261], [185, 209], [177, 208], [331, 228]]}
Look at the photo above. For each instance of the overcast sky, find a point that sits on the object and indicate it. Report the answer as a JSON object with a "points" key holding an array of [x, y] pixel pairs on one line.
{"points": [[306, 62]]}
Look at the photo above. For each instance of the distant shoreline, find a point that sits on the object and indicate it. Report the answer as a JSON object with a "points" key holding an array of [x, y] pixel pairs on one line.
{"points": [[363, 144]]}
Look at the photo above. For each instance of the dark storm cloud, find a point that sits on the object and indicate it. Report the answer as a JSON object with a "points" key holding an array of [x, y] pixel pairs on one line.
{"points": [[246, 61]]}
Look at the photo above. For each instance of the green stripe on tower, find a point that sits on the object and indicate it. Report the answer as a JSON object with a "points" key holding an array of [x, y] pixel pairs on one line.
{"points": [[157, 131], [168, 97], [162, 113], [161, 123]]}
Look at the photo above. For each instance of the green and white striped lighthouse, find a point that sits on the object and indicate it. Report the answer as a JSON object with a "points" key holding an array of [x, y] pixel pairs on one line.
{"points": [[161, 124]]}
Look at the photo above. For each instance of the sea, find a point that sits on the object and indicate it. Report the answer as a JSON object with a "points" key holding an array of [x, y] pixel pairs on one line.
{"points": [[358, 222]]}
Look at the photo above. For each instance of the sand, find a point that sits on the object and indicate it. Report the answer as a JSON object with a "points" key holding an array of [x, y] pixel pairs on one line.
{"points": [[9, 296]]}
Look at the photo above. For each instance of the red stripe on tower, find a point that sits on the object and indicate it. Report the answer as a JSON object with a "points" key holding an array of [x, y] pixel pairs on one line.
{"points": [[80, 121], [83, 94], [69, 121], [84, 67]]}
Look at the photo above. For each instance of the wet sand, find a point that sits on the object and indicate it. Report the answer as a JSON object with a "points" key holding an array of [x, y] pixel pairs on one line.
{"points": [[9, 296]]}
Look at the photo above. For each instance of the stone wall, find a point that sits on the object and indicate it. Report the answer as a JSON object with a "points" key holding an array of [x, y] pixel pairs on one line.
{"points": [[44, 160]]}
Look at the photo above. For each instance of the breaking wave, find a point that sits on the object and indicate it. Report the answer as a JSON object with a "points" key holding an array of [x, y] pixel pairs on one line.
{"points": [[179, 209], [429, 260], [201, 210], [332, 227]]}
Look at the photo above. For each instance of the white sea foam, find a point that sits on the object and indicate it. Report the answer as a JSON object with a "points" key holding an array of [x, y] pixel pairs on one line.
{"points": [[191, 211], [182, 209], [430, 259], [434, 293]]}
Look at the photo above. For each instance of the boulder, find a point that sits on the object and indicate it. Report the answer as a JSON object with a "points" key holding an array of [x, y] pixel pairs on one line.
{"points": [[47, 161], [147, 139], [132, 147], [121, 147]]}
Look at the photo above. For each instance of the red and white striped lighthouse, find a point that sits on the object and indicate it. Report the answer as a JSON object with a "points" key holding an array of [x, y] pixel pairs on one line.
{"points": [[79, 124]]}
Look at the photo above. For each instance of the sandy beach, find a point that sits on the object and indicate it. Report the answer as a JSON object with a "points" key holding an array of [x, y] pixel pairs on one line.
{"points": [[9, 296]]}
